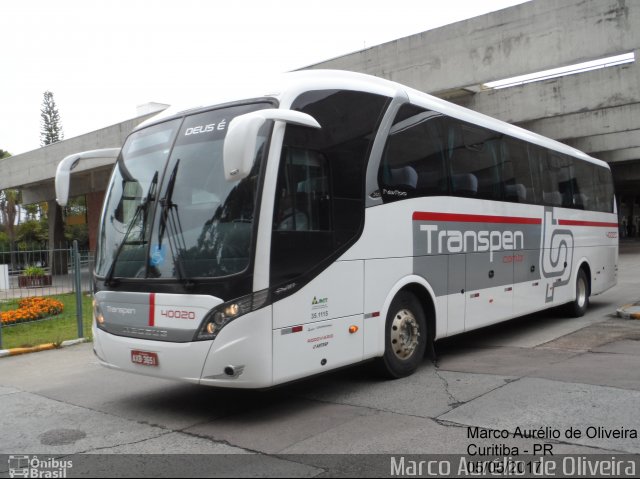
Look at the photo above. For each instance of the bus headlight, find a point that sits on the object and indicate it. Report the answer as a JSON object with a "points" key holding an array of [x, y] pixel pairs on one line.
{"points": [[97, 313], [221, 315]]}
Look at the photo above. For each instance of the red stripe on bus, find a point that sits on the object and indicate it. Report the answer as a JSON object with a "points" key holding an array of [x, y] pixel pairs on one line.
{"points": [[430, 216], [152, 309], [596, 224]]}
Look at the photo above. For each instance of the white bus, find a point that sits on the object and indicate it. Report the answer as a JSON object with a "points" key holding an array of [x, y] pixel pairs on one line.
{"points": [[341, 219]]}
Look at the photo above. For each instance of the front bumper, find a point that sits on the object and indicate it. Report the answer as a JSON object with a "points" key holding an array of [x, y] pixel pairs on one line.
{"points": [[243, 348]]}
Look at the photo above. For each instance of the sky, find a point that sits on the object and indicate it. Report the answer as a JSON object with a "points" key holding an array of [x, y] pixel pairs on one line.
{"points": [[103, 58]]}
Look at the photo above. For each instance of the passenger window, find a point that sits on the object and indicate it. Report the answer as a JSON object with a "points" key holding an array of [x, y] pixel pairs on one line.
{"points": [[562, 177], [604, 190], [556, 180], [584, 194], [518, 174], [414, 161], [474, 154]]}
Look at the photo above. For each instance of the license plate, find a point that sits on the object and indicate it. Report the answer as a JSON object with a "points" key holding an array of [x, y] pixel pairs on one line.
{"points": [[144, 358]]}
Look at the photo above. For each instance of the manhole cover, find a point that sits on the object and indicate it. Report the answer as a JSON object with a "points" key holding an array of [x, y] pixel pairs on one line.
{"points": [[61, 437]]}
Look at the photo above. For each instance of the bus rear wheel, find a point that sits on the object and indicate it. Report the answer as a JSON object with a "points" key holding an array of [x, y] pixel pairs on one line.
{"points": [[405, 336], [579, 306]]}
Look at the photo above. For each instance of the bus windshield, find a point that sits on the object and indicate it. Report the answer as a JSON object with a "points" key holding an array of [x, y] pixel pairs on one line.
{"points": [[169, 212]]}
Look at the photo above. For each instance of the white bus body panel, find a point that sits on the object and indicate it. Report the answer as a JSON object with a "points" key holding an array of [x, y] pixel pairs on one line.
{"points": [[317, 348], [311, 327], [245, 345], [509, 282], [335, 293]]}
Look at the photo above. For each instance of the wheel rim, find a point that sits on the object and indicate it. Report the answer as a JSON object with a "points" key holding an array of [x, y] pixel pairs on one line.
{"points": [[582, 292], [405, 334]]}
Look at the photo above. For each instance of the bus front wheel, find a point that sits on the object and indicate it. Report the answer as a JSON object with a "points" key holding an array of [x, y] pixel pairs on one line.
{"points": [[405, 336]]}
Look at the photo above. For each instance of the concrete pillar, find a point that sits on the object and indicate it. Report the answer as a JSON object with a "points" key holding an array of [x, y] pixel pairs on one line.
{"points": [[94, 209], [58, 255]]}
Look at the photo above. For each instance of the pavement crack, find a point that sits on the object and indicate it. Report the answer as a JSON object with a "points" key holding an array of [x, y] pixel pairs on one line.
{"points": [[222, 442], [124, 444], [453, 402]]}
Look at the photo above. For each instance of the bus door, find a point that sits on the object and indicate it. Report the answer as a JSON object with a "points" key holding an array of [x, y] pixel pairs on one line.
{"points": [[318, 324], [318, 214]]}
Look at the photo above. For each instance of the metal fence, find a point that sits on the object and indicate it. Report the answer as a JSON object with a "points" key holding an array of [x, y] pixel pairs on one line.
{"points": [[56, 273], [25, 274]]}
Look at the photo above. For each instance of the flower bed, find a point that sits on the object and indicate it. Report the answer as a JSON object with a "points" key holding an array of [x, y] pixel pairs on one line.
{"points": [[31, 309], [34, 281]]}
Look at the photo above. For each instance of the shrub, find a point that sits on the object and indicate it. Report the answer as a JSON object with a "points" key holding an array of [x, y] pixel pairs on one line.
{"points": [[34, 271]]}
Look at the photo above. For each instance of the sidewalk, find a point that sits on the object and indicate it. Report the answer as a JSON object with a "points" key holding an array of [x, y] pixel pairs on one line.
{"points": [[41, 347]]}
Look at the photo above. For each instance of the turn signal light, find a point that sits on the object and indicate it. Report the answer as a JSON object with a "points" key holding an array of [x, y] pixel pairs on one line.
{"points": [[353, 329]]}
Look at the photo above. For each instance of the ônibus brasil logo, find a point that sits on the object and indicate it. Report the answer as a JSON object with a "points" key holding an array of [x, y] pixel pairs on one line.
{"points": [[27, 466]]}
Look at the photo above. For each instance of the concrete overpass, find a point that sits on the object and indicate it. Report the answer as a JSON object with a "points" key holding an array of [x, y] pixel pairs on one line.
{"points": [[33, 172], [596, 111]]}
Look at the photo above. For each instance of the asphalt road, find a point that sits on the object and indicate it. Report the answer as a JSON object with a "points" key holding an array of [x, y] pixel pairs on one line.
{"points": [[541, 371]]}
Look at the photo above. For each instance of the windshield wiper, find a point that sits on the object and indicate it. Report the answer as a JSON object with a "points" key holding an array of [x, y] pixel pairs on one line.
{"points": [[142, 207], [171, 218]]}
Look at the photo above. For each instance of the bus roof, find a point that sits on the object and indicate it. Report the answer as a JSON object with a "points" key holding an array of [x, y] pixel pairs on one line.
{"points": [[288, 86]]}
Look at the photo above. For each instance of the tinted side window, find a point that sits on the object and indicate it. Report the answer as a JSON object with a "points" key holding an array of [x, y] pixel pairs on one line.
{"points": [[319, 206], [584, 194], [414, 160], [603, 189], [474, 158], [519, 174], [557, 178]]}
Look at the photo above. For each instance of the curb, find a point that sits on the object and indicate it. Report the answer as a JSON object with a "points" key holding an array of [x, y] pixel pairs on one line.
{"points": [[629, 311], [41, 347]]}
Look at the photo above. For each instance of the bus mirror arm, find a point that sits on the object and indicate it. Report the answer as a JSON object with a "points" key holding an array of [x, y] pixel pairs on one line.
{"points": [[63, 172], [242, 137]]}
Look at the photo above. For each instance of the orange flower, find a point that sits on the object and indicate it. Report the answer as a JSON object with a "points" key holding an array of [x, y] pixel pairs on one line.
{"points": [[31, 309]]}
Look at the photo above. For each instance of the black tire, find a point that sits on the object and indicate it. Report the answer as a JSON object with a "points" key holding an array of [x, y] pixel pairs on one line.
{"points": [[579, 305], [405, 337]]}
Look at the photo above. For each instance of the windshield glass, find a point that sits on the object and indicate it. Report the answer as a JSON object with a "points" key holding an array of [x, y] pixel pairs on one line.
{"points": [[203, 224], [128, 203]]}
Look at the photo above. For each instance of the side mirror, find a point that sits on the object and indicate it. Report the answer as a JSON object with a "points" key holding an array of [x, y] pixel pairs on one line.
{"points": [[63, 172], [242, 136]]}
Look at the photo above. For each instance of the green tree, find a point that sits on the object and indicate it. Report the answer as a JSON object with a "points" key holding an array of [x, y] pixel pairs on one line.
{"points": [[32, 233], [8, 212], [51, 126], [9, 209], [75, 215]]}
